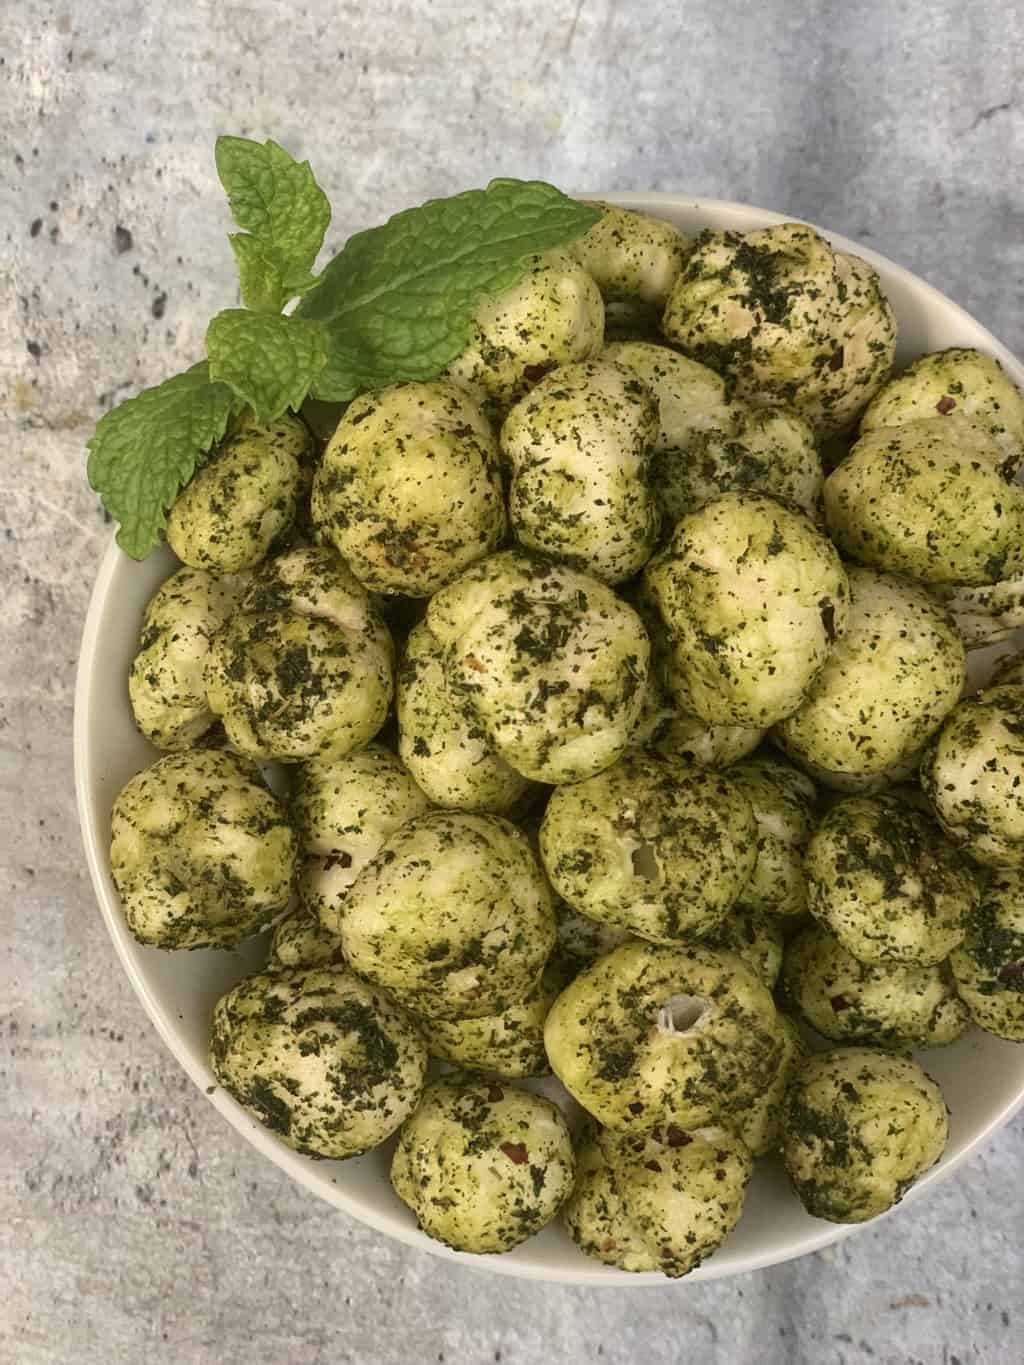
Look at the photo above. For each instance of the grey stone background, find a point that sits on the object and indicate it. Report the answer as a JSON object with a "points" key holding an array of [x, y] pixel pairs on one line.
{"points": [[134, 1224]]}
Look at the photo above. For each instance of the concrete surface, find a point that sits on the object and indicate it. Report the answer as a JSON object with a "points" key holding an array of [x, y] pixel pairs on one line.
{"points": [[134, 1225]]}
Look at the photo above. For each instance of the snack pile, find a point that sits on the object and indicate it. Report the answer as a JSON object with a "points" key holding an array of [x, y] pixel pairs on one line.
{"points": [[615, 674]]}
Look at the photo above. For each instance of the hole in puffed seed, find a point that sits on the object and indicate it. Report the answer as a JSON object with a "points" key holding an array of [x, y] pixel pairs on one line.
{"points": [[681, 1013], [645, 864]]}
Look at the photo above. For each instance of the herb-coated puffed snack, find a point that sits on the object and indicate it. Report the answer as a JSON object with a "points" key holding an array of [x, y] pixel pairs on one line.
{"points": [[756, 938], [760, 1124], [755, 599], [343, 810], [409, 489], [984, 614], [650, 1035], [579, 940], [300, 940], [304, 667], [787, 320], [658, 850], [958, 382], [328, 1063], [688, 739], [167, 682], [692, 399], [632, 255], [242, 499], [928, 499], [888, 885], [768, 450], [552, 664], [441, 742], [483, 1165], [453, 915], [674, 734], [988, 966], [707, 445], [662, 1201], [578, 447], [201, 851], [972, 773], [783, 802], [886, 687], [552, 316], [859, 1127], [882, 1003], [509, 1044]]}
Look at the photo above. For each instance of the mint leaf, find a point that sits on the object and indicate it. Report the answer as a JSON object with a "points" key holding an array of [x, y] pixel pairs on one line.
{"points": [[283, 213], [398, 300], [146, 449], [269, 362], [259, 275], [264, 289]]}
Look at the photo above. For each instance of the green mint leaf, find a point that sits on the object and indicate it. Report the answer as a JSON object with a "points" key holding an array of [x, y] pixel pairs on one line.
{"points": [[264, 290], [277, 201], [398, 300], [269, 362], [259, 274], [145, 450]]}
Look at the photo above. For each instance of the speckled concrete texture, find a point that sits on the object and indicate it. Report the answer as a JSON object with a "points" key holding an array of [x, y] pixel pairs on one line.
{"points": [[134, 1225]]}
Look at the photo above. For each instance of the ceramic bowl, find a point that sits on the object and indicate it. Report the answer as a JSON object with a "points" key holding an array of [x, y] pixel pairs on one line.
{"points": [[982, 1077]]}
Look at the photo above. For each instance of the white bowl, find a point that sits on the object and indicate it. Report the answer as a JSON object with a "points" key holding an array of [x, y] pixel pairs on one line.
{"points": [[981, 1076]]}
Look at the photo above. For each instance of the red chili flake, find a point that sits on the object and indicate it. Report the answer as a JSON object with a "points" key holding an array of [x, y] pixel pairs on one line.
{"points": [[337, 858], [475, 664], [675, 1137], [515, 1151], [609, 1244], [495, 1093], [652, 1166], [533, 374], [840, 1002], [836, 359], [945, 405]]}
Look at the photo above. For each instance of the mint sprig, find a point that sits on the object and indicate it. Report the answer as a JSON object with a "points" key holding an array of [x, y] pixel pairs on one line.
{"points": [[283, 214], [398, 301], [146, 449]]}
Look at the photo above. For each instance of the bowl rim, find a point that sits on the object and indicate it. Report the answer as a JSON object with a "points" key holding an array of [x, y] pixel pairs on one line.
{"points": [[300, 1168]]}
